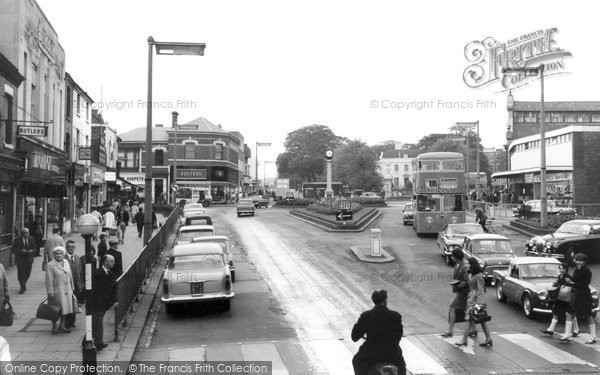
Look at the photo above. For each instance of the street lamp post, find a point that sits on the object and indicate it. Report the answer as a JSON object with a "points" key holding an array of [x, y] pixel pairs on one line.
{"points": [[265, 171], [174, 115], [256, 156], [543, 194], [468, 126], [162, 48], [88, 225]]}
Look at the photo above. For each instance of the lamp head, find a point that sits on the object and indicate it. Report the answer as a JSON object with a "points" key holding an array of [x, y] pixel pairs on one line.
{"points": [[87, 224]]}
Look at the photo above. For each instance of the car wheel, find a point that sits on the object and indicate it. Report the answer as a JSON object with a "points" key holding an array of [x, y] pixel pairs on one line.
{"points": [[170, 308], [252, 214], [528, 307], [205, 204], [499, 292], [227, 305], [405, 223], [570, 255], [239, 214]]}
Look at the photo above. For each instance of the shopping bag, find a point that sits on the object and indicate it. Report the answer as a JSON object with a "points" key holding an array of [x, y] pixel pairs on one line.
{"points": [[7, 315], [47, 312]]}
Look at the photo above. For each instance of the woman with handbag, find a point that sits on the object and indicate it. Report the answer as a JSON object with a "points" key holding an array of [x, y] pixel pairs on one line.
{"points": [[560, 306], [5, 298], [460, 292], [60, 286], [582, 307], [476, 303]]}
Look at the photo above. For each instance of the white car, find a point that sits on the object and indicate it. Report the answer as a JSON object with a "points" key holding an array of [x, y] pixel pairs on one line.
{"points": [[197, 272], [187, 233], [192, 212], [193, 206], [552, 207], [225, 245]]}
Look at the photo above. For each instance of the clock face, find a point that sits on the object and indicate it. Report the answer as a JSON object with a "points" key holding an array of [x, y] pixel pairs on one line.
{"points": [[329, 153], [220, 173]]}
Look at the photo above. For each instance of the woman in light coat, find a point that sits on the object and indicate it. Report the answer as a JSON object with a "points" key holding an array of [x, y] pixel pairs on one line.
{"points": [[59, 285]]}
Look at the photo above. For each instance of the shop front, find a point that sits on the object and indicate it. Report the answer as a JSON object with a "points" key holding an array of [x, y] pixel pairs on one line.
{"points": [[11, 170], [223, 183], [97, 185], [527, 185]]}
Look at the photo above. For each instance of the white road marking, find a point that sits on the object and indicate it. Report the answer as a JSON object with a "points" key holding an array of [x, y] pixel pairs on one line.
{"points": [[468, 349], [418, 361], [188, 354], [546, 351], [265, 352], [334, 355]]}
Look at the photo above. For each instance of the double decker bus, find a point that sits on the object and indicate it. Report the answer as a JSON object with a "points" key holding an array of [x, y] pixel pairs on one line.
{"points": [[439, 191]]}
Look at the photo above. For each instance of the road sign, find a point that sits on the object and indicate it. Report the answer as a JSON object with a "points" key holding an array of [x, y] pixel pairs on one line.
{"points": [[344, 205], [85, 153], [343, 215]]}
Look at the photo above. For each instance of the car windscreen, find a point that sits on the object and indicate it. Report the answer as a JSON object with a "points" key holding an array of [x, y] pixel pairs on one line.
{"points": [[492, 247], [246, 202], [408, 207], [192, 221], [574, 228], [539, 270], [186, 262], [465, 229], [191, 234]]}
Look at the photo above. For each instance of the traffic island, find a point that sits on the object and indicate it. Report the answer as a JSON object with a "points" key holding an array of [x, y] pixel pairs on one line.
{"points": [[361, 220], [365, 254]]}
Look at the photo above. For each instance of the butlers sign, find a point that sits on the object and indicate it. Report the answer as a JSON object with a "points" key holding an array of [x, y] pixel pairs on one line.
{"points": [[489, 56]]}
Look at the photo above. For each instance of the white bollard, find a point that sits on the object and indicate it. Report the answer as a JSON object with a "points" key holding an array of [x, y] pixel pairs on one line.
{"points": [[376, 242]]}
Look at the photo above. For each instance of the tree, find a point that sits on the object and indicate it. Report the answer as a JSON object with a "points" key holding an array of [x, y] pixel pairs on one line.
{"points": [[357, 166], [304, 154], [428, 141]]}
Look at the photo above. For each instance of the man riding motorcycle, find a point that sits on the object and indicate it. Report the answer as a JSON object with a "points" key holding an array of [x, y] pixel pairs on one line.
{"points": [[383, 330]]}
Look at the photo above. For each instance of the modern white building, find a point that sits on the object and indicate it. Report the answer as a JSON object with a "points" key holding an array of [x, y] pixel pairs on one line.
{"points": [[396, 168]]}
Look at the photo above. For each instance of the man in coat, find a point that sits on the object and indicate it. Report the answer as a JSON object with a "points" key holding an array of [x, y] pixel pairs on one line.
{"points": [[383, 330], [139, 221], [105, 296], [116, 254], [24, 250], [78, 283], [52, 242], [102, 246]]}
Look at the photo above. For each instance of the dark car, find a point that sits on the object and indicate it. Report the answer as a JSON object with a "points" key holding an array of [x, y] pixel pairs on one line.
{"points": [[529, 281], [259, 201], [453, 236], [408, 214], [492, 251], [574, 236], [198, 220]]}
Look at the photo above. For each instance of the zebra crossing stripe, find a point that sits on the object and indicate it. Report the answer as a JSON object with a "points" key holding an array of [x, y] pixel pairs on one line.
{"points": [[334, 355], [418, 361], [265, 352], [546, 351], [188, 354]]}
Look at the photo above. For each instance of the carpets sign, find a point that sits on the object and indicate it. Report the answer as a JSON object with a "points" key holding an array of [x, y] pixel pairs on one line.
{"points": [[488, 56]]}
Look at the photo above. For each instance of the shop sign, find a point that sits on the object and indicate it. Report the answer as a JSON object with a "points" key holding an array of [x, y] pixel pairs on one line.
{"points": [[85, 153], [78, 175], [528, 178], [36, 131], [110, 176], [191, 174], [11, 164], [559, 176], [136, 180], [97, 176]]}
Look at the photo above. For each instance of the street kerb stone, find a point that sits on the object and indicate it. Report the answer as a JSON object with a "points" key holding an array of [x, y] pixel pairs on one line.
{"points": [[363, 253]]}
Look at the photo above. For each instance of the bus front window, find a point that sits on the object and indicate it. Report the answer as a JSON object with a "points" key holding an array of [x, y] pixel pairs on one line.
{"points": [[429, 166], [453, 165], [428, 202], [454, 202]]}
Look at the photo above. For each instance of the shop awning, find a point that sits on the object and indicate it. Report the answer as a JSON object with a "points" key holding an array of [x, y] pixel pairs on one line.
{"points": [[123, 182], [518, 172]]}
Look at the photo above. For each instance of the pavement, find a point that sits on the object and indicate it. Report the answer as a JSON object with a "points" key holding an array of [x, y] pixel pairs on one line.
{"points": [[31, 339]]}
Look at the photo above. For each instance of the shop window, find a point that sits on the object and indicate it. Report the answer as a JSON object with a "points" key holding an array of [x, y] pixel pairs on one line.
{"points": [[556, 117], [190, 150], [595, 117], [583, 117], [159, 158], [570, 117]]}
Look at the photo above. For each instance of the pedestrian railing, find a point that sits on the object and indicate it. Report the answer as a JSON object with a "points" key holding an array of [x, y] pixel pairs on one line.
{"points": [[131, 282]]}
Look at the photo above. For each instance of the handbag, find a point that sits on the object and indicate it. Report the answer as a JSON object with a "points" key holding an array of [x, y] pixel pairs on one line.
{"points": [[459, 316], [566, 294], [47, 311], [458, 286], [478, 316], [7, 315]]}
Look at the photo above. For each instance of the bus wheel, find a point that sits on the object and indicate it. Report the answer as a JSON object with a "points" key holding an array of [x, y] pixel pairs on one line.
{"points": [[205, 203]]}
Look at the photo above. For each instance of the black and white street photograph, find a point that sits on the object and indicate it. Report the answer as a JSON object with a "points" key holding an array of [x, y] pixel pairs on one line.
{"points": [[299, 187]]}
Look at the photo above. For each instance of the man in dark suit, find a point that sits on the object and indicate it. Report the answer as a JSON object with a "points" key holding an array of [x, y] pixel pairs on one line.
{"points": [[102, 246], [104, 284], [77, 272], [115, 253], [383, 330], [24, 249]]}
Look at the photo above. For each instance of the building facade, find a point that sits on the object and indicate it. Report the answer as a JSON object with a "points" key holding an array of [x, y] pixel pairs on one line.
{"points": [[572, 152], [396, 167]]}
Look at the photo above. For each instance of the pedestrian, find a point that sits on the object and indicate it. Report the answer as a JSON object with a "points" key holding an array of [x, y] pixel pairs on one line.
{"points": [[110, 223], [560, 308], [154, 221], [59, 285], [105, 297], [126, 215], [121, 229], [382, 330], [51, 242], [460, 290], [134, 211], [98, 216], [24, 249], [37, 231], [116, 254], [139, 221], [103, 245], [77, 271], [582, 307], [4, 290], [481, 218], [141, 206], [476, 300]]}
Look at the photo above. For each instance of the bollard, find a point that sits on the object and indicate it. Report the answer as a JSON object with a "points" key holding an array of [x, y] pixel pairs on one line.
{"points": [[376, 242]]}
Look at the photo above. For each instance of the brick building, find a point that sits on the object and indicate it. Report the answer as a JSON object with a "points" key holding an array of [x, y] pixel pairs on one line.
{"points": [[572, 152]]}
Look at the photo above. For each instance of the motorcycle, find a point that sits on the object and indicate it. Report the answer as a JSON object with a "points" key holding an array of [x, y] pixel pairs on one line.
{"points": [[383, 368]]}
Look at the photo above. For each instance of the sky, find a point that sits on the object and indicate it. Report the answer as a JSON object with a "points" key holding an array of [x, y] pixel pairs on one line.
{"points": [[374, 71]]}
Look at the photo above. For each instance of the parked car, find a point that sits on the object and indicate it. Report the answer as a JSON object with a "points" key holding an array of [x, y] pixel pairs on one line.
{"points": [[193, 206], [453, 236], [190, 213], [370, 195], [187, 233], [572, 237], [552, 207], [197, 272], [245, 206], [198, 219], [260, 201], [408, 214], [492, 251], [223, 241], [529, 281]]}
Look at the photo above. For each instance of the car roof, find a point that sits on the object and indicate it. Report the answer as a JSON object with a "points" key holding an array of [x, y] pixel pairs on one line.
{"points": [[534, 260], [583, 221], [198, 227], [196, 249], [487, 236], [192, 206], [197, 216], [211, 239], [463, 224]]}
